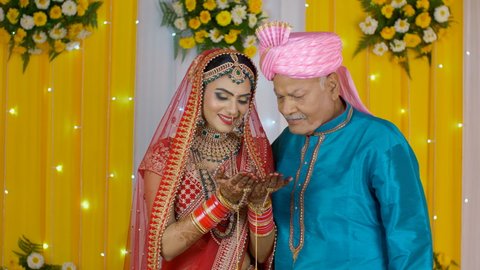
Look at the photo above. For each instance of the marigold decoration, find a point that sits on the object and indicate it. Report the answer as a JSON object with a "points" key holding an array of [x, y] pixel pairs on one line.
{"points": [[31, 258], [399, 26], [207, 24], [32, 27]]}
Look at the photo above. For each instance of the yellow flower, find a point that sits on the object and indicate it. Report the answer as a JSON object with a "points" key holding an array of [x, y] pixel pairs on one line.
{"points": [[187, 42], [194, 23], [235, 32], [40, 18], [441, 32], [387, 11], [255, 6], [408, 10], [45, 46], [59, 46], [55, 12], [19, 49], [224, 18], [82, 6], [74, 29], [230, 38], [379, 2], [411, 40], [200, 36], [250, 51], [423, 20], [4, 2], [399, 59], [20, 34], [12, 15], [190, 5], [210, 4], [4, 35], [425, 4], [205, 16], [388, 32], [23, 3], [427, 49], [444, 260]]}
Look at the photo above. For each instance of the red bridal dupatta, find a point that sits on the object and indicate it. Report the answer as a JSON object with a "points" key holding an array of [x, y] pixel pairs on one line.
{"points": [[168, 156]]}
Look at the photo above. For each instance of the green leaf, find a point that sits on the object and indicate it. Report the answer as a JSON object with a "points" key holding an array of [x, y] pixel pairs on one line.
{"points": [[26, 60], [364, 43], [169, 14]]}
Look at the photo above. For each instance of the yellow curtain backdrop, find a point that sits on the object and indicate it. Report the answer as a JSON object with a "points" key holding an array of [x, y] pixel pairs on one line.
{"points": [[427, 108], [66, 157]]}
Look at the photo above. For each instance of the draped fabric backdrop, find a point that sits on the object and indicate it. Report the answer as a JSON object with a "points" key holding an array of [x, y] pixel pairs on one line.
{"points": [[471, 135], [67, 146], [427, 109]]}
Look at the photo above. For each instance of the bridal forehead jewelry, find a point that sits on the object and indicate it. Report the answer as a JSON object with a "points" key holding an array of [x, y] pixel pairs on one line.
{"points": [[237, 72]]}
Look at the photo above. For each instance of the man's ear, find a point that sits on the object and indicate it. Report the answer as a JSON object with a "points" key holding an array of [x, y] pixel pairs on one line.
{"points": [[333, 85]]}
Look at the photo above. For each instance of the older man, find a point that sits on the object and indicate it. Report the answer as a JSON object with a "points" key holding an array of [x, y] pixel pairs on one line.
{"points": [[356, 201]]}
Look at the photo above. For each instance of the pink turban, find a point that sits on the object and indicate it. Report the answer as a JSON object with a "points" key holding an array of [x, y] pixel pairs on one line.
{"points": [[303, 55]]}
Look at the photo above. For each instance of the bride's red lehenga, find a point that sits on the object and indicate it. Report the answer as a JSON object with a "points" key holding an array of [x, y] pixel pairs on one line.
{"points": [[182, 186]]}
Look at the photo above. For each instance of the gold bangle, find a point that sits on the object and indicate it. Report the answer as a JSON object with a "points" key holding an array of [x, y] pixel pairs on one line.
{"points": [[260, 209], [197, 225], [225, 202]]}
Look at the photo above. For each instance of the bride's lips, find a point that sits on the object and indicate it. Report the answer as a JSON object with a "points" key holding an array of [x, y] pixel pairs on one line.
{"points": [[227, 120]]}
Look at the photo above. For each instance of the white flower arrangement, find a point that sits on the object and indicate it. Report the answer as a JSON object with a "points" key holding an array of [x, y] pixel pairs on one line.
{"points": [[396, 26], [30, 27], [31, 258], [207, 24]]}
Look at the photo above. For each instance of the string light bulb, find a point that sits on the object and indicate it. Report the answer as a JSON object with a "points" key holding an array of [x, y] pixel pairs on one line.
{"points": [[59, 168], [13, 111], [133, 176], [307, 5], [373, 77], [102, 254], [440, 65], [49, 89], [468, 52], [114, 98], [6, 191], [466, 200], [435, 217], [85, 204], [137, 21], [174, 34], [130, 98], [402, 111], [124, 252], [45, 245], [112, 175], [459, 125], [429, 141], [76, 127]]}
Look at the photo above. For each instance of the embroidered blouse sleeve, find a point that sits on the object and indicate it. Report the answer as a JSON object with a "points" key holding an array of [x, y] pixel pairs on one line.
{"points": [[156, 157]]}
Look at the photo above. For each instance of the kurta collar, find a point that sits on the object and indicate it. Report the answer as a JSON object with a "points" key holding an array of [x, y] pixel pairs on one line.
{"points": [[336, 123]]}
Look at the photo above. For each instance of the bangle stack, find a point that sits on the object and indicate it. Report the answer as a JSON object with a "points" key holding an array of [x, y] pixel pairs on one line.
{"points": [[209, 214], [260, 219]]}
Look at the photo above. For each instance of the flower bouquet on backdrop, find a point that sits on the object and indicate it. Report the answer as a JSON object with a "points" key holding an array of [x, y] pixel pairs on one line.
{"points": [[395, 27], [207, 24], [32, 27], [443, 262], [31, 258]]}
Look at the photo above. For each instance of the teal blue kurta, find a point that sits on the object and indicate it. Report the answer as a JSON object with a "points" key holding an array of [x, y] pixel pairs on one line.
{"points": [[361, 206]]}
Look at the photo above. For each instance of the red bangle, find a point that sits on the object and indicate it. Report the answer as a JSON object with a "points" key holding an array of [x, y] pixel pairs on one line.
{"points": [[209, 214]]}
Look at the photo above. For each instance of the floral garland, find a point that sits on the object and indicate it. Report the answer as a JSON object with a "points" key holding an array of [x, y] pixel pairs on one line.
{"points": [[31, 258], [397, 26], [208, 24], [31, 27]]}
